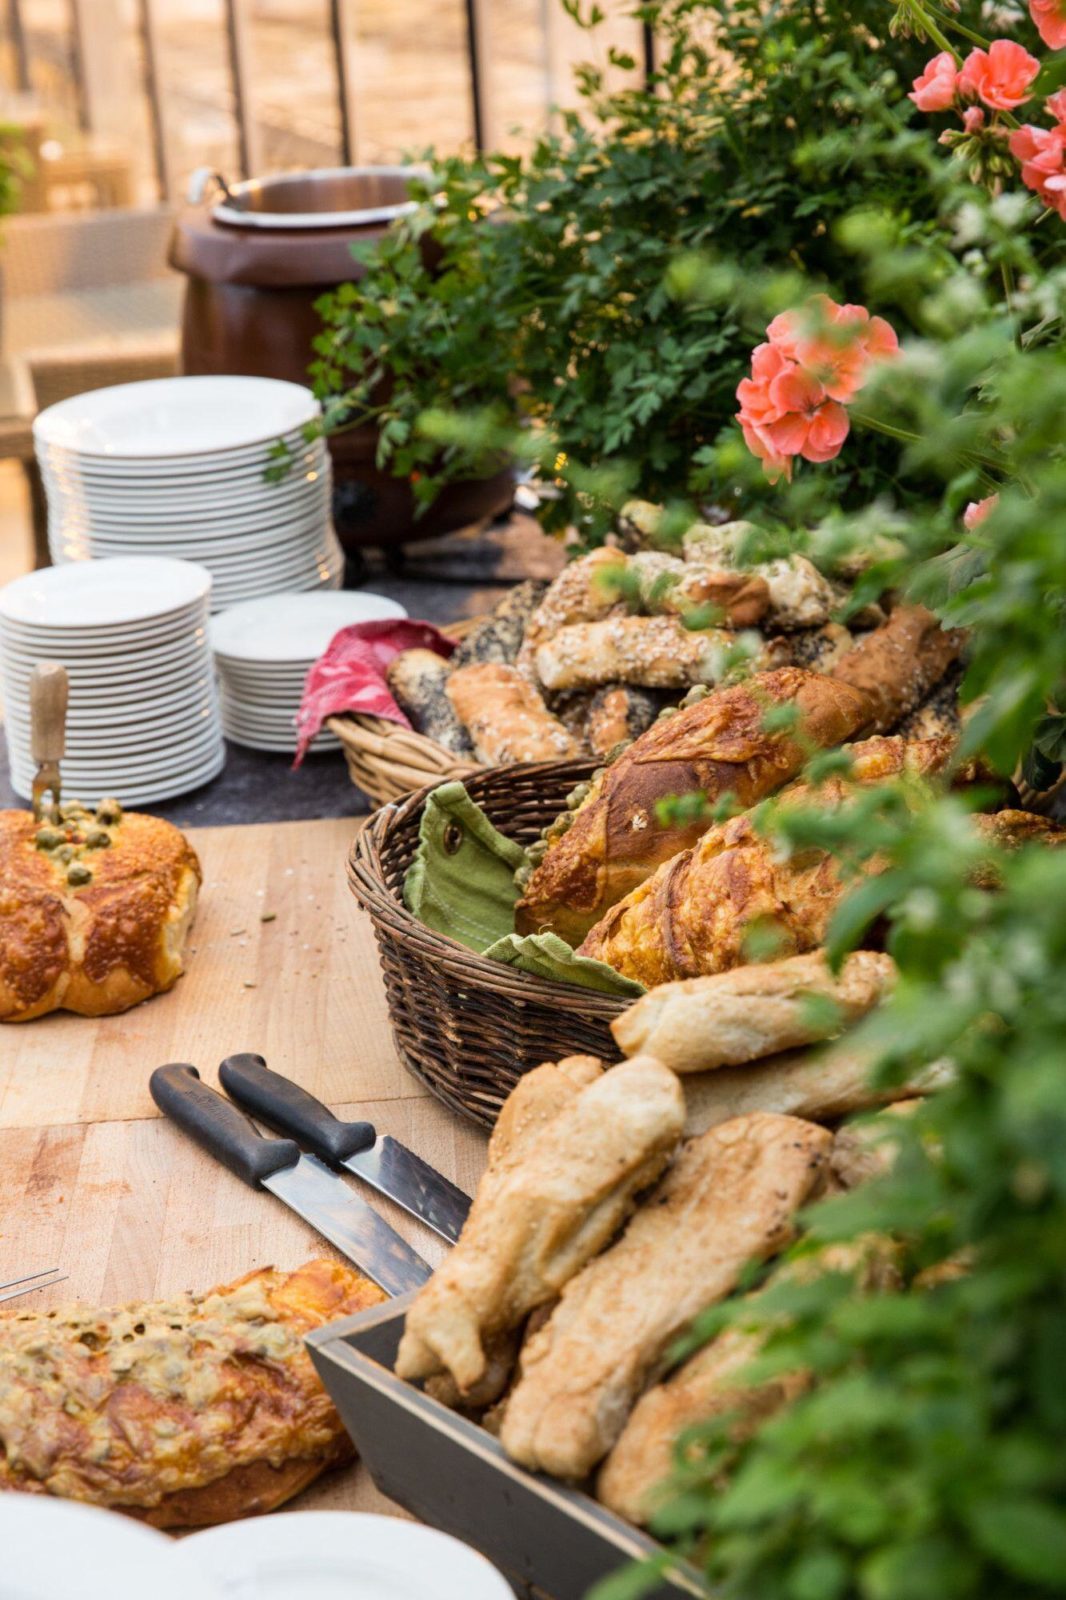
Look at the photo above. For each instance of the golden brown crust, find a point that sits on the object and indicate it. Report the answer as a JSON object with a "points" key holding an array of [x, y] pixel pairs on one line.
{"points": [[730, 1198], [505, 716], [695, 915], [728, 1018], [718, 746], [183, 1412], [896, 665], [103, 946]]}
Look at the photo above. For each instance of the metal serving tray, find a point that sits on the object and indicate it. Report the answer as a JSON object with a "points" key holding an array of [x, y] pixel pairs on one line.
{"points": [[550, 1542]]}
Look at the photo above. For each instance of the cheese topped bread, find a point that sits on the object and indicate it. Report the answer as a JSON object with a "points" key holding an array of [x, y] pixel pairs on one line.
{"points": [[94, 910], [182, 1412]]}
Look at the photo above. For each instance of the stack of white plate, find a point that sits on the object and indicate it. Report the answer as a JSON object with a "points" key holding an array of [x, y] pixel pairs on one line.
{"points": [[264, 650], [143, 722], [176, 467]]}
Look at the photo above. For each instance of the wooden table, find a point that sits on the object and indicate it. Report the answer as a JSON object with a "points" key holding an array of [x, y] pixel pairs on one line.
{"points": [[280, 961]]}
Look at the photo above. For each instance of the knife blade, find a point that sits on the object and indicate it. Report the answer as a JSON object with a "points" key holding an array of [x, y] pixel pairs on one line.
{"points": [[380, 1160], [305, 1184]]}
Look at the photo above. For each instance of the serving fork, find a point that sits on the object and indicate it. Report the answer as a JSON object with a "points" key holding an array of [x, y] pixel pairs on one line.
{"points": [[34, 1280]]}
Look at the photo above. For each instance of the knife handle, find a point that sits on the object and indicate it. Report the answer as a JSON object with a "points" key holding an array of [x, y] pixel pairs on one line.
{"points": [[283, 1104], [218, 1126]]}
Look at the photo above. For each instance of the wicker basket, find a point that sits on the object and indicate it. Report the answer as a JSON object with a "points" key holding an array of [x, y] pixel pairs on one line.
{"points": [[467, 1027], [387, 761]]}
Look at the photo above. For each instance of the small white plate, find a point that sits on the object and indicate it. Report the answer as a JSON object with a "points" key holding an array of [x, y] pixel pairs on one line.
{"points": [[169, 417], [196, 521], [103, 594], [100, 679], [53, 1548], [340, 1555], [133, 792], [289, 628]]}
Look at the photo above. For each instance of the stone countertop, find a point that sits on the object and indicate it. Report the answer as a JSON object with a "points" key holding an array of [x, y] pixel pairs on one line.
{"points": [[440, 580]]}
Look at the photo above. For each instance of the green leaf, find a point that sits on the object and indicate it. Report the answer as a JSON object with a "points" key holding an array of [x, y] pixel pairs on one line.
{"points": [[1027, 1537]]}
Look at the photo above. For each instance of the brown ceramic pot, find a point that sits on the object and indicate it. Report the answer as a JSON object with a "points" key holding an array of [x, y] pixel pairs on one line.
{"points": [[249, 308]]}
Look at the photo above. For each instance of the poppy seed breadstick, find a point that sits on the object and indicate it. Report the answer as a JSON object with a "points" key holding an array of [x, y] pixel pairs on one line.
{"points": [[417, 679]]}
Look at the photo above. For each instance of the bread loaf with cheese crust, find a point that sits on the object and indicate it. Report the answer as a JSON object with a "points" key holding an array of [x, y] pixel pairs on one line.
{"points": [[94, 910], [182, 1412]]}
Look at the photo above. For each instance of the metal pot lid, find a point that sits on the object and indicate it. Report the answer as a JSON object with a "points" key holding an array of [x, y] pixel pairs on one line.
{"points": [[327, 197]]}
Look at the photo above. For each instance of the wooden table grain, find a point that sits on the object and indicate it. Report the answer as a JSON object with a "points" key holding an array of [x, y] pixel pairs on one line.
{"points": [[280, 961]]}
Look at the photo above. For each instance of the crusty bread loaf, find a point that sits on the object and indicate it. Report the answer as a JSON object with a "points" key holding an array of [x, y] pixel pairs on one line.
{"points": [[719, 746], [897, 665], [183, 1412], [698, 1024], [824, 1084], [94, 911], [654, 652], [506, 717], [694, 915]]}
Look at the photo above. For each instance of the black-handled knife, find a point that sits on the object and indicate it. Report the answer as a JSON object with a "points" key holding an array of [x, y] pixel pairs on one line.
{"points": [[384, 1163], [303, 1182]]}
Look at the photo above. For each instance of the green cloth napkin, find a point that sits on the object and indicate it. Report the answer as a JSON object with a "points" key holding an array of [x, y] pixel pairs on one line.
{"points": [[461, 883]]}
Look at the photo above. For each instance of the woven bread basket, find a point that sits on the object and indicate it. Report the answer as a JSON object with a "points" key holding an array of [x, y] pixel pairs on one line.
{"points": [[467, 1027], [388, 761]]}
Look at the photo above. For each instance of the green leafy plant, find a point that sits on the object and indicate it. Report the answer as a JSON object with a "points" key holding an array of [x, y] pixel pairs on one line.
{"points": [[764, 126]]}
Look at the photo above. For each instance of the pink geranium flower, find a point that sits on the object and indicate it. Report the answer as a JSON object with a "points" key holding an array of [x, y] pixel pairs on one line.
{"points": [[1056, 104], [978, 510], [1050, 19], [937, 85], [1042, 153], [814, 359], [1001, 76]]}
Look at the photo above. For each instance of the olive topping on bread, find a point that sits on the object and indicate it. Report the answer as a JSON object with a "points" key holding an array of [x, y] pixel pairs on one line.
{"points": [[95, 907]]}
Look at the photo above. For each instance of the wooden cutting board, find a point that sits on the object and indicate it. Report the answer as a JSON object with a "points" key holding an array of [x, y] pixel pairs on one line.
{"points": [[280, 961]]}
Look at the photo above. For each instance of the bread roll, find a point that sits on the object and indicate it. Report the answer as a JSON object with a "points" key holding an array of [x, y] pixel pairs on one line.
{"points": [[654, 652], [586, 589], [820, 1084], [719, 746], [895, 666], [94, 910], [499, 637], [694, 916], [183, 1412], [673, 587], [619, 712], [418, 679], [506, 717], [728, 1200], [537, 1219], [699, 1024]]}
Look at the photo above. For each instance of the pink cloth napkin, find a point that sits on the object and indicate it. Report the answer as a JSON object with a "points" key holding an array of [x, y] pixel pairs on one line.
{"points": [[350, 675]]}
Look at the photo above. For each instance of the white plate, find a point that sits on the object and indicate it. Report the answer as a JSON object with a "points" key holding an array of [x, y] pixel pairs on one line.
{"points": [[165, 727], [289, 628], [201, 521], [103, 594], [340, 1555], [54, 1548], [169, 417], [326, 576], [155, 475], [178, 518], [233, 547], [157, 758], [158, 480], [138, 792], [93, 679]]}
